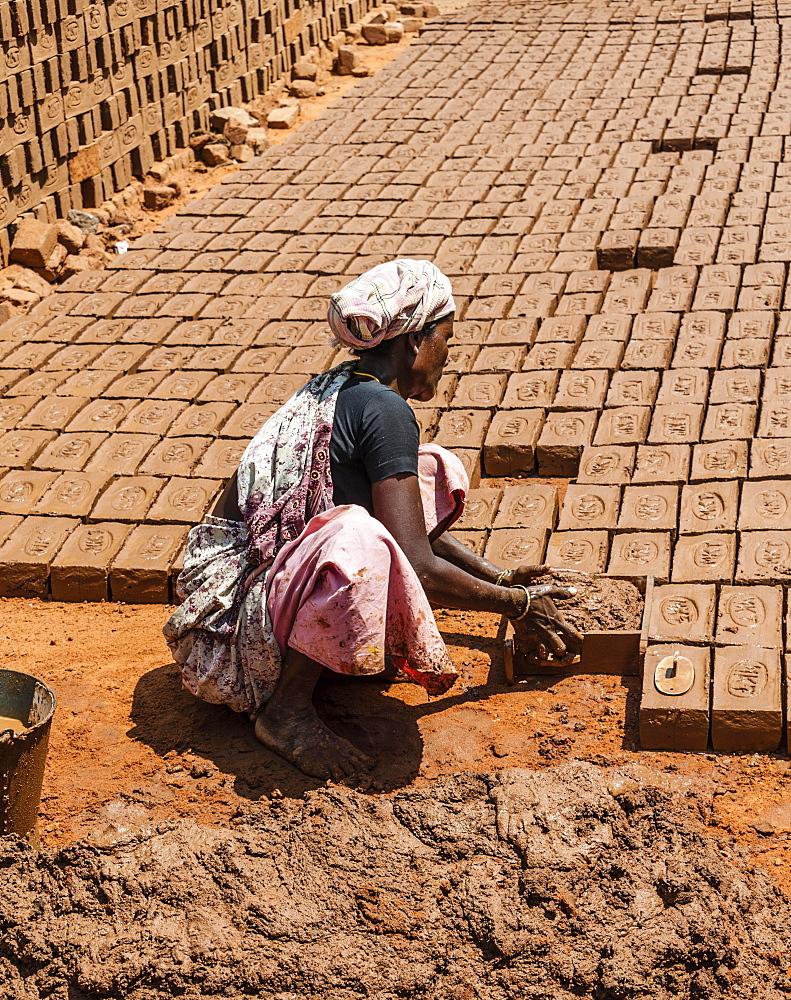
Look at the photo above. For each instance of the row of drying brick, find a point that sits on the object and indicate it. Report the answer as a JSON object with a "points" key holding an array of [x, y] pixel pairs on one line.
{"points": [[734, 701], [638, 530], [67, 560], [91, 95]]}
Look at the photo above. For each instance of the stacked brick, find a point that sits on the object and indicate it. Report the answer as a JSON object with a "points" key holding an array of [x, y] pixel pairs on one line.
{"points": [[608, 188], [91, 94]]}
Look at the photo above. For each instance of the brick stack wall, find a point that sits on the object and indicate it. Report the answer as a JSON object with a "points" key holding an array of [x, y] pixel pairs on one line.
{"points": [[91, 94]]}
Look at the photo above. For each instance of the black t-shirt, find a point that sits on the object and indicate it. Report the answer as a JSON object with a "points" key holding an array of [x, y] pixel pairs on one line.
{"points": [[374, 436]]}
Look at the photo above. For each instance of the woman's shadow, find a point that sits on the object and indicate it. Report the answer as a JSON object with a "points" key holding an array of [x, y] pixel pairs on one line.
{"points": [[168, 718]]}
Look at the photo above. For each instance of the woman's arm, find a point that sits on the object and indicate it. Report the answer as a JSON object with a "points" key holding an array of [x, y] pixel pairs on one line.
{"points": [[453, 551], [397, 504]]}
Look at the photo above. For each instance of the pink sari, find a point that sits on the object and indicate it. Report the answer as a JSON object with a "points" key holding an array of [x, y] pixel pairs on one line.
{"points": [[330, 582]]}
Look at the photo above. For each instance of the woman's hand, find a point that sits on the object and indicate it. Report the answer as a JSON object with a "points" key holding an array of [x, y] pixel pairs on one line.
{"points": [[544, 630], [525, 574]]}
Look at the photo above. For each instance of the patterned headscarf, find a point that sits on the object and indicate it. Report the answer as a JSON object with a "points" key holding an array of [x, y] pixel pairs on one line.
{"points": [[401, 296]]}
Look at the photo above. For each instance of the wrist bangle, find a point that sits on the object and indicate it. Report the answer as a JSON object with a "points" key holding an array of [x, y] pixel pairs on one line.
{"points": [[500, 581], [520, 586]]}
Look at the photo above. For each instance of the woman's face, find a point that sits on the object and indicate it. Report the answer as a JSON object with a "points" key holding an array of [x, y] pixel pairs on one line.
{"points": [[429, 362]]}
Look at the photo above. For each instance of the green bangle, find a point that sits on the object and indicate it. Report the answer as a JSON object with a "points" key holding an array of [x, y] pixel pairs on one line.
{"points": [[527, 602], [500, 581]]}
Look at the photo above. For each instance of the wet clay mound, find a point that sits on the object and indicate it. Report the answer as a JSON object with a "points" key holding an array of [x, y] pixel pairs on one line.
{"points": [[516, 885], [600, 603]]}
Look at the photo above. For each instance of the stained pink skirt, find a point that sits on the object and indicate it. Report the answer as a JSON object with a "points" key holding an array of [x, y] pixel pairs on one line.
{"points": [[345, 595]]}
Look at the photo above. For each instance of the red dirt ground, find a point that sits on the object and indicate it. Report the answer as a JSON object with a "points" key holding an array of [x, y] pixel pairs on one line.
{"points": [[124, 726]]}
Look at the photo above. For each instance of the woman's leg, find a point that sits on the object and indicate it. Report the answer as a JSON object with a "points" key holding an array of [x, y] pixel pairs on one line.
{"points": [[289, 726]]}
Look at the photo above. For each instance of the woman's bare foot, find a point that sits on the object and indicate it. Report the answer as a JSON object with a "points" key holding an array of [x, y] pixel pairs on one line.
{"points": [[301, 738]]}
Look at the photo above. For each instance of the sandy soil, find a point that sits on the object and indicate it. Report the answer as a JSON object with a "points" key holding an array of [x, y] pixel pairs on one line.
{"points": [[124, 726]]}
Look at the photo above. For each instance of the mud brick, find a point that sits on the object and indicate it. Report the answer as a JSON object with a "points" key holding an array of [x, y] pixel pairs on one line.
{"points": [[709, 507], [513, 331], [583, 551], [696, 352], [261, 360], [19, 449], [608, 326], [74, 356], [746, 708], [101, 415], [230, 388], [167, 359], [248, 419], [704, 558], [512, 547], [665, 300], [655, 326], [28, 552], [745, 353], [532, 506], [532, 304], [625, 300], [719, 460], [464, 428], [279, 388], [140, 572], [221, 459], [470, 458], [21, 491], [641, 553], [736, 387], [649, 508], [499, 359], [12, 411], [765, 505], [585, 507], [647, 354], [184, 501], [179, 386], [623, 425], [764, 556], [80, 570], [480, 509], [777, 384], [770, 459], [764, 298], [637, 388], [214, 357], [730, 421], [479, 391], [127, 498], [717, 297], [775, 419], [667, 463], [561, 330], [752, 615], [32, 355], [605, 354], [676, 423], [529, 390], [581, 390], [53, 413], [36, 384], [562, 439], [174, 456], [549, 356], [201, 420], [657, 247], [121, 454], [72, 493], [617, 249], [141, 384], [781, 356], [683, 612], [606, 465], [670, 721]]}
